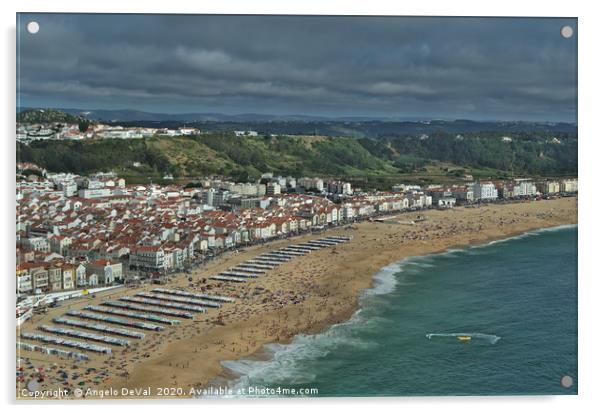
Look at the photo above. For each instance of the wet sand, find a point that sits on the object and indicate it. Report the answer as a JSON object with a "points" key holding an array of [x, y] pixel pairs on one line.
{"points": [[304, 295]]}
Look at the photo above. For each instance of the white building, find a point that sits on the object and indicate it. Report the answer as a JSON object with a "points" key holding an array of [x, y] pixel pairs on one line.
{"points": [[446, 202], [240, 133], [404, 188], [339, 187], [220, 198], [484, 191], [247, 189], [311, 183], [549, 187], [273, 188], [207, 196], [148, 257], [291, 182], [188, 131], [94, 193], [568, 185], [68, 188], [525, 188]]}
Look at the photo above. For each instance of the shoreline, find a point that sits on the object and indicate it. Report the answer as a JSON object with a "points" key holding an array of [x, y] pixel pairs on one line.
{"points": [[326, 283], [229, 376]]}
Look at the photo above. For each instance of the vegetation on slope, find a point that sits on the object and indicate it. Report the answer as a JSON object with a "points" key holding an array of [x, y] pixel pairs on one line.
{"points": [[525, 154], [367, 162], [46, 116]]}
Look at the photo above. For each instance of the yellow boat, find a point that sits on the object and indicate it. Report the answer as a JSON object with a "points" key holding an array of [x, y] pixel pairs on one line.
{"points": [[464, 338]]}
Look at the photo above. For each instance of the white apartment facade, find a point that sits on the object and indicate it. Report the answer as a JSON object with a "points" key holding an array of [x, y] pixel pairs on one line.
{"points": [[485, 191]]}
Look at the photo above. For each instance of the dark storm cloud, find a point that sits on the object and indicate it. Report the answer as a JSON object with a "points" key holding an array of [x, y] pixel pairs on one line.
{"points": [[332, 66]]}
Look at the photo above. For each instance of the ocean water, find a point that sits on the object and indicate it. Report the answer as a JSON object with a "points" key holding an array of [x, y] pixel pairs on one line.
{"points": [[515, 298]]}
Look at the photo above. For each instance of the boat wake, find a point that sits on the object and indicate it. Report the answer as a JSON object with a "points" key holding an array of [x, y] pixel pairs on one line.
{"points": [[490, 338]]}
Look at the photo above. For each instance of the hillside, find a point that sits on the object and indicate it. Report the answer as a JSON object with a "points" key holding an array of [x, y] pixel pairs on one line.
{"points": [[46, 116], [369, 162], [360, 129]]}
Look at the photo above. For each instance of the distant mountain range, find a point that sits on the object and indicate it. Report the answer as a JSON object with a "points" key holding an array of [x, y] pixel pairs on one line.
{"points": [[358, 127], [131, 115]]}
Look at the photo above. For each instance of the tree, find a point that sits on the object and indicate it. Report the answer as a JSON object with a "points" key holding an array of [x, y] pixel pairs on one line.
{"points": [[83, 125]]}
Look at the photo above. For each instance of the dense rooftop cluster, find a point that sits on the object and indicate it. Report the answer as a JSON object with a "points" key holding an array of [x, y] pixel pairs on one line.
{"points": [[80, 232]]}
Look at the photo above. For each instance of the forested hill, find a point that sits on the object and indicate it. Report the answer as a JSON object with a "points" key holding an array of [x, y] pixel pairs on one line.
{"points": [[424, 158], [364, 128], [46, 116], [292, 124]]}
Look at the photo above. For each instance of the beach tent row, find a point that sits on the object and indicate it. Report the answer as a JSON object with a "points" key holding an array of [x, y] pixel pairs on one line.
{"points": [[115, 320], [182, 293], [253, 265], [67, 343], [338, 238], [228, 278], [160, 303], [51, 350], [131, 314], [259, 265], [238, 274], [184, 300], [86, 336], [98, 327], [248, 269], [270, 257], [147, 309]]}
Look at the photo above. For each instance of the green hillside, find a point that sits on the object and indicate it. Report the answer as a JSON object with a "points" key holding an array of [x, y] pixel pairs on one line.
{"points": [[369, 162]]}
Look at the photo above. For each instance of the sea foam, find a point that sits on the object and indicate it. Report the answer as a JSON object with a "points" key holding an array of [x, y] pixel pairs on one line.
{"points": [[285, 362]]}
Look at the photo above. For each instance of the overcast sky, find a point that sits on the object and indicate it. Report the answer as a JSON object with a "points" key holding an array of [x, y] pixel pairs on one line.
{"points": [[500, 69]]}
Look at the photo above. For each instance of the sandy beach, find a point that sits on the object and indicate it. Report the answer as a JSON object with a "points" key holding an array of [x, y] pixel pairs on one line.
{"points": [[304, 295]]}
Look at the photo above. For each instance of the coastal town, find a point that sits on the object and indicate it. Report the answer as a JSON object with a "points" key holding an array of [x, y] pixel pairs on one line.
{"points": [[76, 232], [29, 132]]}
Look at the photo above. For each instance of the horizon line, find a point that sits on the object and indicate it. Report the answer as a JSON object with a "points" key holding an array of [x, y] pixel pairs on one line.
{"points": [[390, 118]]}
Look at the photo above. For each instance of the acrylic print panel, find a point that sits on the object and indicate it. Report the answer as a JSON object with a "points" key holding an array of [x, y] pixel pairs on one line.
{"points": [[295, 206]]}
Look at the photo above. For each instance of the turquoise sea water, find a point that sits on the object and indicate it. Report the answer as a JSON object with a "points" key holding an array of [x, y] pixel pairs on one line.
{"points": [[516, 298]]}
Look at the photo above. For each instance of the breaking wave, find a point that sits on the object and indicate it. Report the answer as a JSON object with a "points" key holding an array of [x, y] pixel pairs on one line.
{"points": [[286, 363], [384, 281], [527, 234]]}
